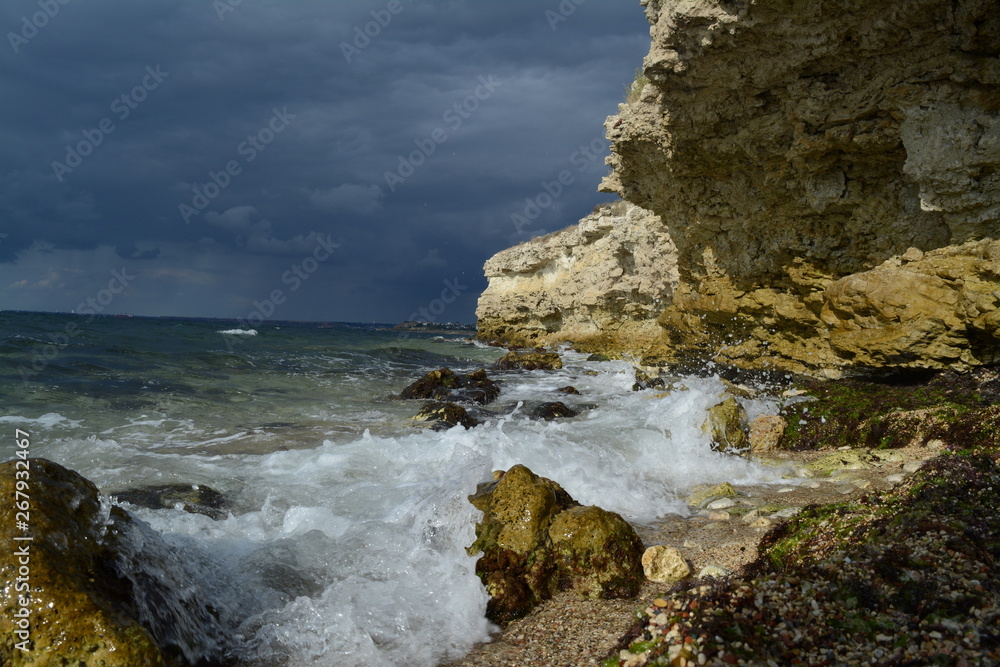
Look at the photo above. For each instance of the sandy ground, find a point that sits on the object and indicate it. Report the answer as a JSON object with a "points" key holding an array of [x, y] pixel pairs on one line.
{"points": [[569, 632]]}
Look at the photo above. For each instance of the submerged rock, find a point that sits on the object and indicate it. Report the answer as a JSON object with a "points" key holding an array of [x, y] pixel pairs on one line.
{"points": [[536, 540], [193, 498], [77, 608], [446, 415], [529, 361], [551, 410], [446, 385]]}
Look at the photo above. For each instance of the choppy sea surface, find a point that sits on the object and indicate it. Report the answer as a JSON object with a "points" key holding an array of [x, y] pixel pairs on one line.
{"points": [[348, 522]]}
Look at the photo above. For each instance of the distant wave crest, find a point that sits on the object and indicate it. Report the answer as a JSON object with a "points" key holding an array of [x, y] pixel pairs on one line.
{"points": [[238, 332]]}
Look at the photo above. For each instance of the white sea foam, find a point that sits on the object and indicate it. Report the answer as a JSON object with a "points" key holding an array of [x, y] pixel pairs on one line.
{"points": [[48, 420], [354, 552], [238, 332]]}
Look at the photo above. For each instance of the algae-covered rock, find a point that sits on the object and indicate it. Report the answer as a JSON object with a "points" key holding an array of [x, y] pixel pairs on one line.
{"points": [[446, 385], [62, 580], [598, 554], [664, 564], [529, 361], [445, 415], [193, 498], [536, 540], [727, 424]]}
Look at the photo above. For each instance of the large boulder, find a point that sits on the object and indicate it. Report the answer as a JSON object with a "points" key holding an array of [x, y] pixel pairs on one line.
{"points": [[536, 540], [63, 580], [98, 588]]}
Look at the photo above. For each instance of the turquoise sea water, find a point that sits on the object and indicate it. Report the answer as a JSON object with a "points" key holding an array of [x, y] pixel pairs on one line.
{"points": [[347, 525]]}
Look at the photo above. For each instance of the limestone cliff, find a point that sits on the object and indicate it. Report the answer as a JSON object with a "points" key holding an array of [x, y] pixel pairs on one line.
{"points": [[601, 283], [787, 145], [829, 174]]}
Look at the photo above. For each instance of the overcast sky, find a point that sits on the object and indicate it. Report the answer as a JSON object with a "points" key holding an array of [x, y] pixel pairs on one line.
{"points": [[339, 160]]}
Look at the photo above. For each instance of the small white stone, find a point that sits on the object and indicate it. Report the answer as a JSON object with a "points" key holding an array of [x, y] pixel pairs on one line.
{"points": [[721, 504], [787, 513], [713, 571]]}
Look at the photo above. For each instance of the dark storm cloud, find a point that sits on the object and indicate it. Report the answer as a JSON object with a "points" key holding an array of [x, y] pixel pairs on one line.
{"points": [[211, 146]]}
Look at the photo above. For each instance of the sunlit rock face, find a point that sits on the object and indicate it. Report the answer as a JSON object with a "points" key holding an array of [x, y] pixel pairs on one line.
{"points": [[787, 145], [809, 187], [599, 284]]}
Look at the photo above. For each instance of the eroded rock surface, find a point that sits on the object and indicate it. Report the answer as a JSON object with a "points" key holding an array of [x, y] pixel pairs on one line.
{"points": [[604, 280], [824, 175], [788, 145]]}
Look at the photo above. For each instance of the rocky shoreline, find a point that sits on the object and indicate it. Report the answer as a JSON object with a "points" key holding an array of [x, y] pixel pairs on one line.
{"points": [[734, 547]]}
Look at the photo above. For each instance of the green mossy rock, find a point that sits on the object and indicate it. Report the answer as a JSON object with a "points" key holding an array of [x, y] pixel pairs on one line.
{"points": [[78, 606], [536, 540], [598, 553], [727, 423], [529, 361]]}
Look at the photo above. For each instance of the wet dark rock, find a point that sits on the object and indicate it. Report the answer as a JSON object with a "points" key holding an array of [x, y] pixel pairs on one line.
{"points": [[445, 415], [529, 361], [536, 540], [551, 410], [193, 498], [569, 390], [644, 380], [85, 607], [446, 385]]}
